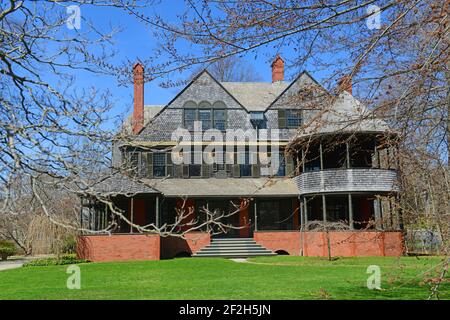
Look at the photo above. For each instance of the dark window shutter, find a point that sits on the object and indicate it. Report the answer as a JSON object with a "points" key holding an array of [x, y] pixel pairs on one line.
{"points": [[289, 165], [185, 171], [177, 171], [149, 164], [169, 165], [236, 171], [206, 170], [228, 169], [282, 119], [256, 172], [143, 165]]}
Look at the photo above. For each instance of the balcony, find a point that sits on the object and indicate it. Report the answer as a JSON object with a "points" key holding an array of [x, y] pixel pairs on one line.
{"points": [[347, 180]]}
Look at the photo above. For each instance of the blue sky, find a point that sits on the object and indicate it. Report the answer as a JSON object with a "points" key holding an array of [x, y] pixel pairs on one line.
{"points": [[136, 41]]}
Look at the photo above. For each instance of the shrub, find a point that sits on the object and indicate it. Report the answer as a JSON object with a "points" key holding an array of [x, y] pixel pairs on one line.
{"points": [[69, 245], [61, 260], [7, 249]]}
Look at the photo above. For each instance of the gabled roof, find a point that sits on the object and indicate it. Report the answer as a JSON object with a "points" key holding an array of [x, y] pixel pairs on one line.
{"points": [[346, 114], [255, 96], [303, 80], [204, 71]]}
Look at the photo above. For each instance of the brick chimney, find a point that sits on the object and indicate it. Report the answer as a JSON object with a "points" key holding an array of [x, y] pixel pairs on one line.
{"points": [[138, 111], [345, 84], [278, 69]]}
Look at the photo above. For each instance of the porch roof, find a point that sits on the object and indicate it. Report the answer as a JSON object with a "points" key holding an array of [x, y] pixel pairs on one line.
{"points": [[118, 184], [230, 187]]}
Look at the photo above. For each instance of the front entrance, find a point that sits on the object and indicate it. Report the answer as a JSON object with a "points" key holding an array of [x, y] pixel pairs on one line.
{"points": [[234, 221], [224, 207]]}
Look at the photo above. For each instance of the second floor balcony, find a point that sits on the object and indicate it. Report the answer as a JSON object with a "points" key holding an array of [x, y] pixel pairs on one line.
{"points": [[347, 180], [360, 162]]}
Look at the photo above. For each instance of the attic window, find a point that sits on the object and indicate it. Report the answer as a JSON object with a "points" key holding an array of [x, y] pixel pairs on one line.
{"points": [[210, 116]]}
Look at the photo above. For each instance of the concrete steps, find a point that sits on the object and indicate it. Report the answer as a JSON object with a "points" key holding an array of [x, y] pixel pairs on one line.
{"points": [[233, 248]]}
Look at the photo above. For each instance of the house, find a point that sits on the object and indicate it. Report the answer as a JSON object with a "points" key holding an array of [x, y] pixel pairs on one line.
{"points": [[330, 177]]}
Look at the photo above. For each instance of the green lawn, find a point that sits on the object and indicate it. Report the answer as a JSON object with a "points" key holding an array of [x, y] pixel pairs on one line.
{"points": [[281, 277]]}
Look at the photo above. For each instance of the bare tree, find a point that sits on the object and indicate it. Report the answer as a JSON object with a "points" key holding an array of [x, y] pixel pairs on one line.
{"points": [[233, 69]]}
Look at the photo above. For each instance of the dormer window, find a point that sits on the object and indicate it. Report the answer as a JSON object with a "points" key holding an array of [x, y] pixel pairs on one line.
{"points": [[220, 119], [205, 117], [211, 116], [190, 116]]}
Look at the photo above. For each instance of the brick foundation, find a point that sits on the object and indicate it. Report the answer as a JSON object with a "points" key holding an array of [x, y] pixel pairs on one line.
{"points": [[194, 241], [343, 243], [119, 247]]}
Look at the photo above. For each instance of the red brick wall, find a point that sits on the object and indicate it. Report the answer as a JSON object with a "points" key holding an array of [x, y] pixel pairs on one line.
{"points": [[194, 241], [343, 243], [119, 247]]}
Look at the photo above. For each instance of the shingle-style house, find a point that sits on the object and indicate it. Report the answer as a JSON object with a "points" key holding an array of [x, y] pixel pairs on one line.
{"points": [[338, 169]]}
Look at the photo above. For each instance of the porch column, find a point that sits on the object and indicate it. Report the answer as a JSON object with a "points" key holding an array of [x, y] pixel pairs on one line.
{"points": [[400, 214], [131, 213], [391, 214], [350, 211], [256, 216], [324, 208], [388, 161], [81, 213], [305, 203], [321, 155], [377, 211], [303, 160], [347, 154], [302, 219], [157, 211]]}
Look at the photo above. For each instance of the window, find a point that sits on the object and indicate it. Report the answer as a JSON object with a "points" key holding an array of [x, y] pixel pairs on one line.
{"points": [[289, 118], [337, 208], [210, 117], [159, 164], [294, 118], [190, 115], [275, 214], [195, 169], [220, 119], [312, 158], [205, 117], [243, 159]]}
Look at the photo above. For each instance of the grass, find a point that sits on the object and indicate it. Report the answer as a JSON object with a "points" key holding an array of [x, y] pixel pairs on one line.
{"points": [[280, 277]]}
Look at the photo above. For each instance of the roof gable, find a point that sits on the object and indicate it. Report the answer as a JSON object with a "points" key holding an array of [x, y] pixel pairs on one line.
{"points": [[303, 93], [345, 114]]}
